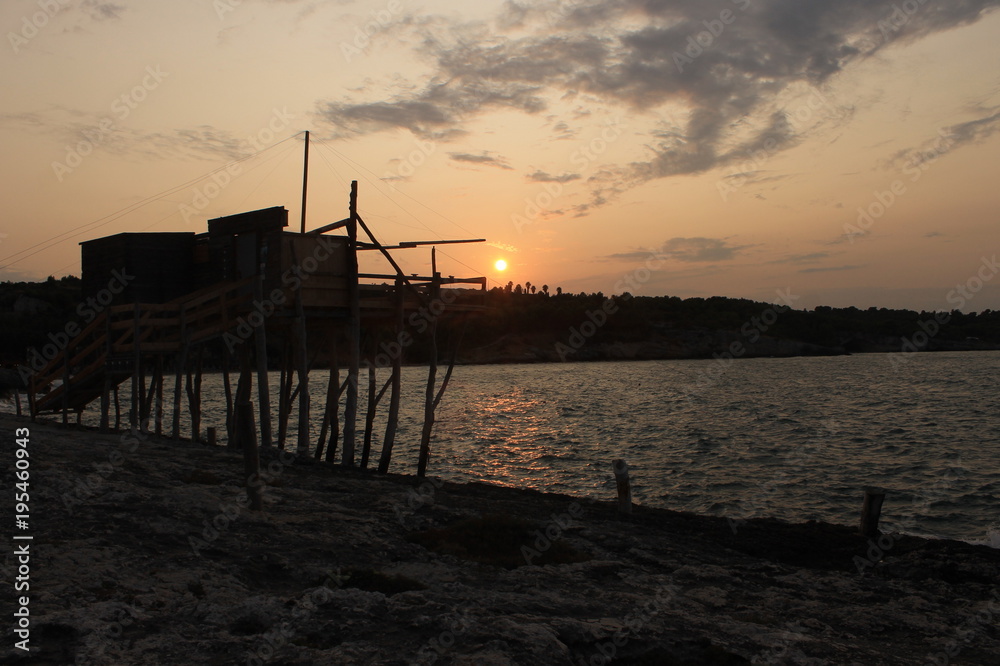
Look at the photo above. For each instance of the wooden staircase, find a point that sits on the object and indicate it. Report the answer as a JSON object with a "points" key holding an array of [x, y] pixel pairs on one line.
{"points": [[110, 348]]}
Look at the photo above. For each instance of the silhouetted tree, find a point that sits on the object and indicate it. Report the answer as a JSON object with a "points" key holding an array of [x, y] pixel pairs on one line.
{"points": [[545, 289]]}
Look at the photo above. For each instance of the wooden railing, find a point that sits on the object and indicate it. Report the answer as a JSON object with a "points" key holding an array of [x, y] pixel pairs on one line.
{"points": [[111, 344]]}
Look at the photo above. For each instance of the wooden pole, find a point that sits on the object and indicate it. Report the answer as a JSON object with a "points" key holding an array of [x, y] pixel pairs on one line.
{"points": [[246, 434], [228, 386], [354, 332], [366, 448], [159, 395], [303, 369], [181, 362], [333, 405], [65, 386], [134, 417], [305, 181], [284, 396], [118, 410], [871, 509], [332, 386], [212, 436], [624, 487], [397, 371], [263, 390], [429, 394], [106, 391]]}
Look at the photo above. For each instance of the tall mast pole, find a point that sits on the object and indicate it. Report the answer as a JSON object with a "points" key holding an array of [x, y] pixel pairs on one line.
{"points": [[305, 182]]}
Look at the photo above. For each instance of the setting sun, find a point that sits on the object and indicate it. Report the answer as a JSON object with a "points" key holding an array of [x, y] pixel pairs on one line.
{"points": [[500, 265]]}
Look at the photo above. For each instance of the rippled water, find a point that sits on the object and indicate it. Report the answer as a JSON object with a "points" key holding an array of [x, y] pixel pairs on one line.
{"points": [[792, 438]]}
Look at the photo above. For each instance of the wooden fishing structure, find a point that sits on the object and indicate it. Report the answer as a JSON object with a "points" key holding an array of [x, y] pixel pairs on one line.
{"points": [[248, 294]]}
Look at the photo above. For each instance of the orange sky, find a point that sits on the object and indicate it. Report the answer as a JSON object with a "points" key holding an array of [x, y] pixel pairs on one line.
{"points": [[735, 140]]}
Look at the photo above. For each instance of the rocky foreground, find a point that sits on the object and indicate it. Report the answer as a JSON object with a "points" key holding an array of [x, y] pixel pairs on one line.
{"points": [[144, 552]]}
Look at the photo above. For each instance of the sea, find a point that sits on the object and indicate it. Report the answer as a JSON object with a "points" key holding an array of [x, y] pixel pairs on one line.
{"points": [[791, 438]]}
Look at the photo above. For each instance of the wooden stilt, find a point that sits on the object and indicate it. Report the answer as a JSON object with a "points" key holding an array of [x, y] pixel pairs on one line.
{"points": [[397, 372], [263, 389], [227, 385], [366, 448], [181, 363], [65, 386], [118, 410], [134, 414], [247, 437], [106, 392], [334, 406], [354, 333], [284, 395], [17, 400], [331, 393], [159, 395], [303, 370], [425, 433]]}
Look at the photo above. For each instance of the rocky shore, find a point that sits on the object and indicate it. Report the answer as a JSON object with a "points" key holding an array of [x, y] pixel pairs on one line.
{"points": [[144, 552]]}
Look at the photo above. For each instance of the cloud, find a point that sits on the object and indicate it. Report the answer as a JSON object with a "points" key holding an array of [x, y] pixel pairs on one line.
{"points": [[103, 11], [689, 250], [543, 177], [643, 56], [485, 159], [802, 258], [829, 269], [948, 140]]}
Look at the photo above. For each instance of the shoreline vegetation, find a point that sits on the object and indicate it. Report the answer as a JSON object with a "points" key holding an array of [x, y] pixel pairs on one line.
{"points": [[145, 551], [525, 324]]}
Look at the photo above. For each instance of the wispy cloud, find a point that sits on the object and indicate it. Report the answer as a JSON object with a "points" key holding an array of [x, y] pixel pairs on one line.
{"points": [[629, 54], [688, 250], [485, 158], [543, 177], [829, 269]]}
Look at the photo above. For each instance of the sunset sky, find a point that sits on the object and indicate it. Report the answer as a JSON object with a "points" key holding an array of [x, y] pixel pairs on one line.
{"points": [[844, 150]]}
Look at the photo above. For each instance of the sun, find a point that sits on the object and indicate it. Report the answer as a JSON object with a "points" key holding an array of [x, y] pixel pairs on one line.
{"points": [[500, 265]]}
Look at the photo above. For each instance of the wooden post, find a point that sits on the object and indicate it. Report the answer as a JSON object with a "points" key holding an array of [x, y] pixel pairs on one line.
{"points": [[228, 386], [302, 357], [106, 392], [305, 181], [194, 395], [17, 400], [354, 332], [263, 390], [134, 415], [397, 372], [333, 404], [181, 362], [624, 487], [871, 509], [429, 395], [159, 395], [246, 434], [65, 386], [118, 410], [366, 448], [211, 436]]}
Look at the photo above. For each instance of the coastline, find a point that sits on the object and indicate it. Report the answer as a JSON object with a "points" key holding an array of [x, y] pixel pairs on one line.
{"points": [[145, 555]]}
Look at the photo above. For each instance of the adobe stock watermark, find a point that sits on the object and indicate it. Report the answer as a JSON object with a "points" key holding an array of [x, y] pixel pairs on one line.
{"points": [[292, 279], [32, 25], [597, 318], [121, 109], [816, 105], [632, 624], [968, 631], [381, 19], [885, 199], [958, 297], [551, 532], [87, 310], [699, 43], [751, 332], [407, 165], [205, 194], [581, 158]]}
